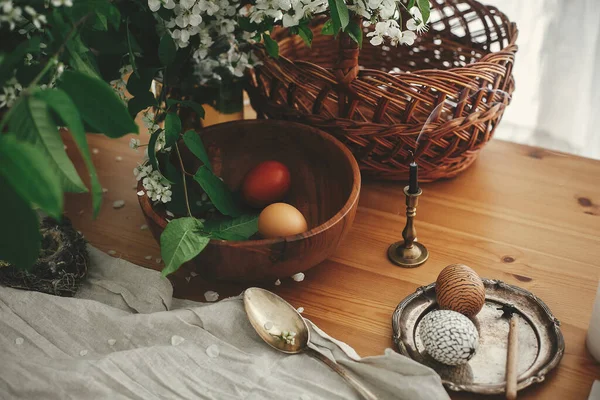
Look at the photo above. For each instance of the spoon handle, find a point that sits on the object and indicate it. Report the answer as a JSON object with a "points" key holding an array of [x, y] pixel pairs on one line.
{"points": [[343, 372]]}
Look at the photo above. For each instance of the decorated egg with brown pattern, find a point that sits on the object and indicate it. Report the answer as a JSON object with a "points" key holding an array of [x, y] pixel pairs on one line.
{"points": [[459, 288]]}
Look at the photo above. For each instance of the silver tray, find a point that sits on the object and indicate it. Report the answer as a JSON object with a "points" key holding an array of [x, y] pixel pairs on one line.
{"points": [[541, 343]]}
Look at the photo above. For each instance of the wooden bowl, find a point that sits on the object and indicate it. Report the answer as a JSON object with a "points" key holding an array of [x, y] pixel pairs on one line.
{"points": [[325, 185]]}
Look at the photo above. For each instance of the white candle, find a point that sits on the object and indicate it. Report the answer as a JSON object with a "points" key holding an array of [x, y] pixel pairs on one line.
{"points": [[593, 336]]}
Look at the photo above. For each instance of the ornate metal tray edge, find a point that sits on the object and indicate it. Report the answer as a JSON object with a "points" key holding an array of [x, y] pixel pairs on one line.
{"points": [[482, 389]]}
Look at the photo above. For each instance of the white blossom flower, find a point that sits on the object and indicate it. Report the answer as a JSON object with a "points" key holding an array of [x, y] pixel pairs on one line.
{"points": [[288, 336], [293, 15], [10, 92], [416, 23], [148, 120], [134, 143], [59, 3], [36, 19], [10, 14], [157, 188], [120, 85]]}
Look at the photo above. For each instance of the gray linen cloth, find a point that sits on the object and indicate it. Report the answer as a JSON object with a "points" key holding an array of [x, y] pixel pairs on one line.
{"points": [[125, 337]]}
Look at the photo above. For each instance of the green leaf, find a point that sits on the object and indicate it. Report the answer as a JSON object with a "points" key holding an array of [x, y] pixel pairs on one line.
{"points": [[140, 102], [32, 122], [425, 8], [152, 149], [25, 168], [218, 192], [98, 105], [197, 107], [81, 61], [306, 34], [194, 143], [20, 238], [64, 107], [411, 4], [172, 129], [140, 84], [100, 23], [247, 25], [129, 47], [242, 227], [181, 241], [328, 28], [167, 50], [355, 32], [339, 15], [271, 46], [113, 15]]}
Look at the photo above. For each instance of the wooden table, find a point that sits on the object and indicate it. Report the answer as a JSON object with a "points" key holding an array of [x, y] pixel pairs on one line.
{"points": [[527, 216]]}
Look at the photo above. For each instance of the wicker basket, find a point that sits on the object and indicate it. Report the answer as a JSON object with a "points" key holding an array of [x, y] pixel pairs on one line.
{"points": [[378, 100]]}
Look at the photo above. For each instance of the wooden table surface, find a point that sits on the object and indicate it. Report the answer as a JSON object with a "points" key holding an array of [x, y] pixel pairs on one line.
{"points": [[527, 216]]}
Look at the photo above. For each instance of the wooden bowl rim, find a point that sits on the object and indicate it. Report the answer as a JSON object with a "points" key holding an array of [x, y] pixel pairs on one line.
{"points": [[148, 210]]}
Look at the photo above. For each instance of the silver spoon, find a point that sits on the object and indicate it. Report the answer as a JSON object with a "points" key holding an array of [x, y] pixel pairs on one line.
{"points": [[271, 316]]}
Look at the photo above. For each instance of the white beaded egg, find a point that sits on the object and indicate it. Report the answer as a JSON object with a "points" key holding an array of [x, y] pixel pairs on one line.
{"points": [[449, 337]]}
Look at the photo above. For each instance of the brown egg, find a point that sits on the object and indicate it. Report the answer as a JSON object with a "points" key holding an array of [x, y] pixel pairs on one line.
{"points": [[281, 219], [459, 288]]}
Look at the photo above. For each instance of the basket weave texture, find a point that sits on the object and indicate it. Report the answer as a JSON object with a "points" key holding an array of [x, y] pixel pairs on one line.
{"points": [[379, 99]]}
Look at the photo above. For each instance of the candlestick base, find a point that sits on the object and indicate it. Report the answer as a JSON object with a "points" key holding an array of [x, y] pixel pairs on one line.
{"points": [[412, 257]]}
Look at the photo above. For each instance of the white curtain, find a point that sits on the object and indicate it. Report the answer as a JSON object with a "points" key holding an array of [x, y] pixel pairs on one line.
{"points": [[556, 103]]}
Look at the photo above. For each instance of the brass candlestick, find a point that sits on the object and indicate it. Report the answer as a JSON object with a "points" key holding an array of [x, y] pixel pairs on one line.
{"points": [[409, 253]]}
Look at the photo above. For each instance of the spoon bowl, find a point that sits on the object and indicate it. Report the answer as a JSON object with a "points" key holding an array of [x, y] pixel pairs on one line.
{"points": [[272, 317]]}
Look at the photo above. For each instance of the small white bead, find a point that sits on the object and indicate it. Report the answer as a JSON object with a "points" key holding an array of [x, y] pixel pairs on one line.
{"points": [[118, 204], [19, 341], [277, 282], [299, 277], [111, 342]]}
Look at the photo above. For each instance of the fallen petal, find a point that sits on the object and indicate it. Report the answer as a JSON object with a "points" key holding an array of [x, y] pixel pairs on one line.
{"points": [[211, 296], [176, 340], [213, 351]]}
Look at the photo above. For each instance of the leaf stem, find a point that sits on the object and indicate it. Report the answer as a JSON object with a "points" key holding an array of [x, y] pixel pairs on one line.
{"points": [[185, 191]]}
